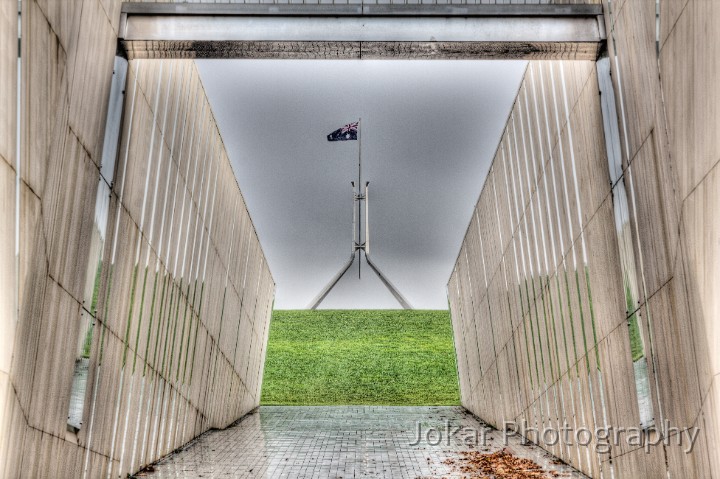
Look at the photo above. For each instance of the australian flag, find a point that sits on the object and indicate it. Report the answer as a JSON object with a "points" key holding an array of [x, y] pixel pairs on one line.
{"points": [[347, 132]]}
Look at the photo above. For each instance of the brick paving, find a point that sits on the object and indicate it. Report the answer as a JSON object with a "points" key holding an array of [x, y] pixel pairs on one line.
{"points": [[341, 442]]}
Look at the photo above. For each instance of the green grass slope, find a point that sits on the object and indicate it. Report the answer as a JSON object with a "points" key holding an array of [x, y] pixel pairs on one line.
{"points": [[373, 357]]}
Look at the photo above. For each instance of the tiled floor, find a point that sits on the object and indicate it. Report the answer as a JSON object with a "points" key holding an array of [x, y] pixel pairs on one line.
{"points": [[341, 442]]}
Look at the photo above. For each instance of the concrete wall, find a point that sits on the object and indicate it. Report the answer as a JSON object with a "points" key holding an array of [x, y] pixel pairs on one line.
{"points": [[536, 251], [667, 72], [576, 253], [143, 296], [8, 168]]}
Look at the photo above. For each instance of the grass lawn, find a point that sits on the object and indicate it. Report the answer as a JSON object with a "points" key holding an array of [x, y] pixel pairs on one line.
{"points": [[380, 357]]}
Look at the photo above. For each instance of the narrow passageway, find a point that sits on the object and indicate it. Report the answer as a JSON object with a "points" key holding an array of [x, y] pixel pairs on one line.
{"points": [[352, 441]]}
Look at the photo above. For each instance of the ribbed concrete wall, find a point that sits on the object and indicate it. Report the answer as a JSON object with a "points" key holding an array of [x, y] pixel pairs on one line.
{"points": [[666, 79], [585, 288], [535, 252], [8, 166], [144, 295]]}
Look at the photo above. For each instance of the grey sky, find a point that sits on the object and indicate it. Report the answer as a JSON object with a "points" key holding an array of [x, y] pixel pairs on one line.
{"points": [[429, 131]]}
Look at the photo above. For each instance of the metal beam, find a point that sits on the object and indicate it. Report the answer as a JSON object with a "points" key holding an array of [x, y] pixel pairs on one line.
{"points": [[321, 296], [361, 31], [366, 9], [399, 297]]}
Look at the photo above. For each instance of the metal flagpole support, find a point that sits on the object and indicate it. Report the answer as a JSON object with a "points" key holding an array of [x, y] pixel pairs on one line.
{"points": [[319, 298], [367, 222], [366, 247], [400, 298], [359, 198], [355, 220], [358, 245], [353, 251]]}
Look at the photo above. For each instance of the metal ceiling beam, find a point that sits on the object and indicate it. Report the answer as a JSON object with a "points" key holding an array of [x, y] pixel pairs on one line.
{"points": [[366, 9], [361, 31]]}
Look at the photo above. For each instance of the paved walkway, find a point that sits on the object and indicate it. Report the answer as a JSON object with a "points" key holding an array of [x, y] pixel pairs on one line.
{"points": [[342, 442]]}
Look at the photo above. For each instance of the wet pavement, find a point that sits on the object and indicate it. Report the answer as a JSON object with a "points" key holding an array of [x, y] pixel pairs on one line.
{"points": [[344, 442]]}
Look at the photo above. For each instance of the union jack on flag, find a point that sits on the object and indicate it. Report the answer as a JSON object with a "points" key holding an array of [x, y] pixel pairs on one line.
{"points": [[347, 132]]}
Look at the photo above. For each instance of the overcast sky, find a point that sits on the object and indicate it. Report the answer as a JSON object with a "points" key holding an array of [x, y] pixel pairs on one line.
{"points": [[429, 132]]}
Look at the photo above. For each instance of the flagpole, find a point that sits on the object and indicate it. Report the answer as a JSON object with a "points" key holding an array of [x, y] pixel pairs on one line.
{"points": [[359, 191], [358, 196]]}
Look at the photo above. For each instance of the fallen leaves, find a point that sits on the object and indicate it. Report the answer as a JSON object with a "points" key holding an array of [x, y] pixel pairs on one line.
{"points": [[501, 464]]}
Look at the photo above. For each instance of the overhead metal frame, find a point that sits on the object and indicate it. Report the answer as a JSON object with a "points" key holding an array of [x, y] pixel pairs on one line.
{"points": [[367, 9], [153, 30]]}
